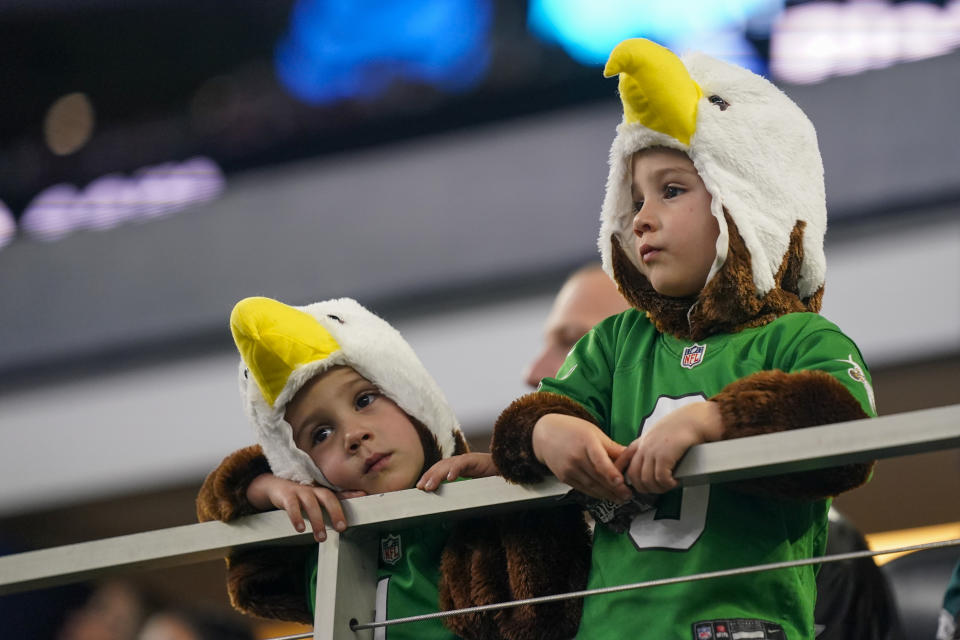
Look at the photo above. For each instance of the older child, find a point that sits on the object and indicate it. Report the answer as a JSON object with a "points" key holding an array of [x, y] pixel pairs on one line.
{"points": [[342, 407], [712, 227]]}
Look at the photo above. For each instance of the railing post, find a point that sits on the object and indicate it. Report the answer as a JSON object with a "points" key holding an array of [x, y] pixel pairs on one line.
{"points": [[352, 558]]}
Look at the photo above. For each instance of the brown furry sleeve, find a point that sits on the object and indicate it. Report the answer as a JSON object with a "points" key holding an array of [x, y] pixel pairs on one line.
{"points": [[473, 572], [770, 401], [223, 495], [512, 443], [268, 582], [516, 556], [271, 582]]}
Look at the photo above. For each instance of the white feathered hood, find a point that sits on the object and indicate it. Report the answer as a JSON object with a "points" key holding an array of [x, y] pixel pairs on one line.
{"points": [[753, 147], [282, 347]]}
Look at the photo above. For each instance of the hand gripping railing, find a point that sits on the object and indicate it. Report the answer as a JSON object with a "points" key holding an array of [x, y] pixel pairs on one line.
{"points": [[351, 556]]}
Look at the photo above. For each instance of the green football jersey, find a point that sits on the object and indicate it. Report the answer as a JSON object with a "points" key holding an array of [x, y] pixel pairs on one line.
{"points": [[408, 572], [628, 376]]}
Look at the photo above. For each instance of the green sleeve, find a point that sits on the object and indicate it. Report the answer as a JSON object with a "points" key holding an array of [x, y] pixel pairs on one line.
{"points": [[310, 574], [831, 351], [586, 375]]}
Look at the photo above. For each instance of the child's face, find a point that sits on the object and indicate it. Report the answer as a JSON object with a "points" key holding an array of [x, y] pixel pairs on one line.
{"points": [[675, 234], [359, 438]]}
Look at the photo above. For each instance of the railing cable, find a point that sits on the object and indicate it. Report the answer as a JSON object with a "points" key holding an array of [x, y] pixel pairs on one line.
{"points": [[839, 557]]}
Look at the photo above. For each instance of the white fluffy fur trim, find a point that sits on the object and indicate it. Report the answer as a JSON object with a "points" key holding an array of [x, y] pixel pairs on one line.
{"points": [[631, 138]]}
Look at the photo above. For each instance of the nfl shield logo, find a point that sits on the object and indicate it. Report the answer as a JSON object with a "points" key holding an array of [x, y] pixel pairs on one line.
{"points": [[390, 550], [704, 632], [692, 356], [604, 511]]}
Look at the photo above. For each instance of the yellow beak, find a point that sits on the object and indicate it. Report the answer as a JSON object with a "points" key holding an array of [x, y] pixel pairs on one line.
{"points": [[655, 88], [275, 339]]}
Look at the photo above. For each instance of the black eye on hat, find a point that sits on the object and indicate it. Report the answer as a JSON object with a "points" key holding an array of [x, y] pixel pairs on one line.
{"points": [[333, 317], [720, 102]]}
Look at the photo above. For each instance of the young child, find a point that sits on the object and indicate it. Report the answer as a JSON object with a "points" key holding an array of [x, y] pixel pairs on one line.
{"points": [[712, 227], [342, 407]]}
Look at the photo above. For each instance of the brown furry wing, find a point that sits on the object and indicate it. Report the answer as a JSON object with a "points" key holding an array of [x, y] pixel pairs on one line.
{"points": [[770, 401], [511, 557], [547, 553], [472, 572], [271, 582], [223, 495], [264, 582]]}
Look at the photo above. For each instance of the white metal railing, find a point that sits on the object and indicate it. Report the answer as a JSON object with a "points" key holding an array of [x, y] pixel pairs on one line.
{"points": [[351, 556]]}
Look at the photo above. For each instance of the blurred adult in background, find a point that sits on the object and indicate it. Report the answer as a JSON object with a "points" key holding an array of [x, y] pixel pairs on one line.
{"points": [[118, 610], [587, 297], [182, 624], [854, 600], [114, 611]]}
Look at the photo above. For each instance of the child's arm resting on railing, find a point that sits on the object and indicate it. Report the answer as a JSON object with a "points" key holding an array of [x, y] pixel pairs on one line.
{"points": [[763, 402], [265, 581], [267, 491], [769, 401], [243, 485], [223, 495], [505, 557]]}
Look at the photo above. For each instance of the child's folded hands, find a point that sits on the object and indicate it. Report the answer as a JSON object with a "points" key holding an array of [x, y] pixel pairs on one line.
{"points": [[581, 455], [648, 461]]}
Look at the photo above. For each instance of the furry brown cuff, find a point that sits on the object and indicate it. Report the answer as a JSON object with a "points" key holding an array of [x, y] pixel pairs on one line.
{"points": [[770, 401], [223, 495], [517, 556], [512, 443], [270, 582], [472, 572]]}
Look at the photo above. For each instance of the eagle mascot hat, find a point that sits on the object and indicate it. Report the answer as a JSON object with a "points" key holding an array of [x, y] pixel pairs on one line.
{"points": [[754, 149], [282, 347]]}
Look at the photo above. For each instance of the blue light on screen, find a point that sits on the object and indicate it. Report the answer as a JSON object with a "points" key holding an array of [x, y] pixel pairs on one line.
{"points": [[339, 49], [589, 29]]}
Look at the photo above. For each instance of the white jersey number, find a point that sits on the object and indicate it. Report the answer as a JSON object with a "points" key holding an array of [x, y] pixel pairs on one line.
{"points": [[656, 530], [380, 615]]}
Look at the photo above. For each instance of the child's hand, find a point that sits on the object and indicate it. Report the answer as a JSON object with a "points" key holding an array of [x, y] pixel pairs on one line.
{"points": [[648, 461], [467, 465], [580, 454], [268, 491]]}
